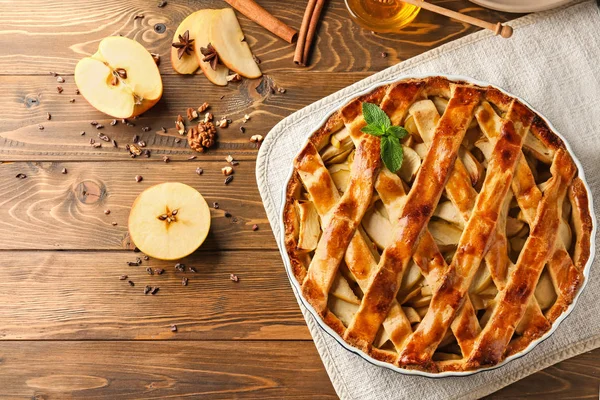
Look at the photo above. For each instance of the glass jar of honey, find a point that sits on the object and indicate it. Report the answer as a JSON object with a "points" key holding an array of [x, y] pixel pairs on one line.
{"points": [[382, 15]]}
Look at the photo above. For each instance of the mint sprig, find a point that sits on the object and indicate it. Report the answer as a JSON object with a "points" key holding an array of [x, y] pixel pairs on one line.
{"points": [[379, 124]]}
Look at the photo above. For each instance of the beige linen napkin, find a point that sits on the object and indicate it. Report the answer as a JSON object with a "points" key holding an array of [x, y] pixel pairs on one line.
{"points": [[553, 62]]}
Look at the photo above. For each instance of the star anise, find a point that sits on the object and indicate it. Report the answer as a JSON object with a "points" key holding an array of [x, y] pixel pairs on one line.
{"points": [[210, 55], [185, 45]]}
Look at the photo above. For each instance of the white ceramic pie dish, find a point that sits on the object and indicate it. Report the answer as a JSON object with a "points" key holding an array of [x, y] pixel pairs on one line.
{"points": [[521, 6], [297, 287]]}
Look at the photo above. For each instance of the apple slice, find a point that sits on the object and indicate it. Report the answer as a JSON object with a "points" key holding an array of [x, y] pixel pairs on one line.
{"points": [[202, 34], [121, 79], [169, 221], [187, 64], [227, 38]]}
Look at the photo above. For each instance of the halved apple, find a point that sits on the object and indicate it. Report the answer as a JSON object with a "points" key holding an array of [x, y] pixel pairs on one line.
{"points": [[169, 221], [227, 38], [121, 79]]}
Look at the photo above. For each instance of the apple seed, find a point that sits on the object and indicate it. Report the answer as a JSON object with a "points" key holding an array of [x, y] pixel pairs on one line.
{"points": [[121, 72]]}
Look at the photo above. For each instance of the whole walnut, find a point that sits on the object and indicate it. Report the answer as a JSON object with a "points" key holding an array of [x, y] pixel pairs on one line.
{"points": [[202, 137]]}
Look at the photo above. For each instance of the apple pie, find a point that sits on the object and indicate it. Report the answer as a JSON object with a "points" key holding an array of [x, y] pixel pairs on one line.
{"points": [[466, 255]]}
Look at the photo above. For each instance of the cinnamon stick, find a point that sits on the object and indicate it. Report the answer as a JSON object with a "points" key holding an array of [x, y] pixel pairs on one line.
{"points": [[310, 22], [299, 53], [265, 19]]}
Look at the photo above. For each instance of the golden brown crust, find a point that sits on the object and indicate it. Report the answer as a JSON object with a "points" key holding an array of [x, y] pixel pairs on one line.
{"points": [[417, 211], [484, 237]]}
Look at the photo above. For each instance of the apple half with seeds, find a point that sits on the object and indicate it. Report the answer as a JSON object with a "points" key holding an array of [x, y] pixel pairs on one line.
{"points": [[169, 221], [121, 79]]}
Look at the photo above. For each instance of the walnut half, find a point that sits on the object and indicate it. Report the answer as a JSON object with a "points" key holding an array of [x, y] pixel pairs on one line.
{"points": [[202, 137]]}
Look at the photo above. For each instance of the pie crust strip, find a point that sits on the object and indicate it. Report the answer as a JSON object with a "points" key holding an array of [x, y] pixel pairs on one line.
{"points": [[398, 97], [421, 202], [358, 258], [528, 197], [345, 217], [490, 346], [428, 258], [461, 193], [474, 242], [582, 221]]}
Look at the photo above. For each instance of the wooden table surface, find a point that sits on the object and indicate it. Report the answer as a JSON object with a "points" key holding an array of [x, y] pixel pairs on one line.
{"points": [[69, 328]]}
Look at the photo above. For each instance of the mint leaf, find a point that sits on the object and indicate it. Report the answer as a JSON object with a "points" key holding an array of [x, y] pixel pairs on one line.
{"points": [[397, 131], [379, 124], [375, 116], [373, 130], [391, 153]]}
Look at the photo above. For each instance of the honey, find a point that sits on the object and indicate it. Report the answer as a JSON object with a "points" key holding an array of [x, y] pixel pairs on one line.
{"points": [[382, 15]]}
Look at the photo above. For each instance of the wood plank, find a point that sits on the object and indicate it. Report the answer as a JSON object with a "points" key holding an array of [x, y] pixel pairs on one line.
{"points": [[575, 378], [53, 36], [150, 370], [29, 99], [49, 210], [78, 295]]}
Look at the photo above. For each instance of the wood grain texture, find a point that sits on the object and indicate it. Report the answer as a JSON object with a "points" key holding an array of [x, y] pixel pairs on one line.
{"points": [[51, 210], [78, 295], [152, 370], [55, 35], [31, 98], [576, 378], [69, 328]]}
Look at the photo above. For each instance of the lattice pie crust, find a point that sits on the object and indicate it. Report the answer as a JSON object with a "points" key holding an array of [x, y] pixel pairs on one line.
{"points": [[461, 259]]}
